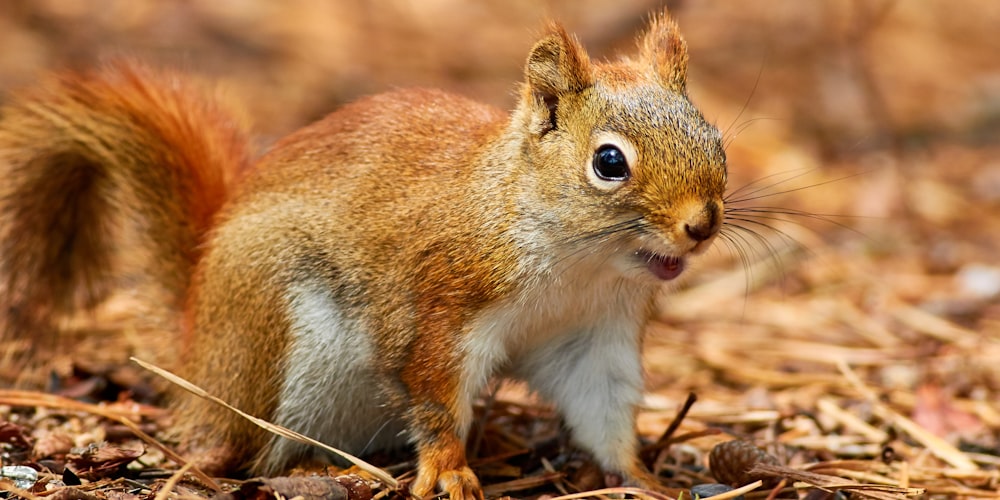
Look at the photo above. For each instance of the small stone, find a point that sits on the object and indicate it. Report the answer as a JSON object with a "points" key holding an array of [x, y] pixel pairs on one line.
{"points": [[710, 490], [979, 280], [23, 477]]}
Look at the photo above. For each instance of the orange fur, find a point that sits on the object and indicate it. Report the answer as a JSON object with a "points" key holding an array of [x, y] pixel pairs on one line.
{"points": [[416, 239]]}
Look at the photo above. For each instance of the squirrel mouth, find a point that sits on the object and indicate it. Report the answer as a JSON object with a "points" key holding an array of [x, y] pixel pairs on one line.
{"points": [[662, 266]]}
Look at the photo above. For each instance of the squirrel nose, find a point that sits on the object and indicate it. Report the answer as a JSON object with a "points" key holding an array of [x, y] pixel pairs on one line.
{"points": [[699, 231], [703, 225]]}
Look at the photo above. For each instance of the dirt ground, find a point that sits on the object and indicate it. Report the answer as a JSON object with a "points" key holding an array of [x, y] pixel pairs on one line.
{"points": [[850, 328]]}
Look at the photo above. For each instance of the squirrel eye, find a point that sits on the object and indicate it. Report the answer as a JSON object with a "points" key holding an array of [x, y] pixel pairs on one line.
{"points": [[610, 163]]}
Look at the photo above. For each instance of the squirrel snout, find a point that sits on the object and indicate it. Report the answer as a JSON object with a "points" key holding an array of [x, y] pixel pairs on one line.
{"points": [[704, 223]]}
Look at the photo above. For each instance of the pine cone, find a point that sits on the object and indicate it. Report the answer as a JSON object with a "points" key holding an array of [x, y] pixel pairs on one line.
{"points": [[731, 460]]}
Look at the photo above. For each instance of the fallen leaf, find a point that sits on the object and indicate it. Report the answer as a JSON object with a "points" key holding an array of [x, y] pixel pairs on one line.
{"points": [[98, 461]]}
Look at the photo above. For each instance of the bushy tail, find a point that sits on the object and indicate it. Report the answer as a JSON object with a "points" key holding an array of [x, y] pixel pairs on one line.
{"points": [[108, 182]]}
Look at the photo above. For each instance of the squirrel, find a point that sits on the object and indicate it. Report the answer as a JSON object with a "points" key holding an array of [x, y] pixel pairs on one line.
{"points": [[365, 279]]}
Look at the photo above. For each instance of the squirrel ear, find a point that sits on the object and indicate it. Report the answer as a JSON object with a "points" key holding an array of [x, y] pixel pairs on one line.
{"points": [[664, 48], [556, 66]]}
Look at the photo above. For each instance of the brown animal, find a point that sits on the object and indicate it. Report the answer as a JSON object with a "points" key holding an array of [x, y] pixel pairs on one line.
{"points": [[364, 280]]}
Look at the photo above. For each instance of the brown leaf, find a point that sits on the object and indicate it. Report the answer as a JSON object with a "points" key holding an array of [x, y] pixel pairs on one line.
{"points": [[13, 434], [308, 488], [99, 461], [51, 444], [72, 494], [122, 495], [935, 412]]}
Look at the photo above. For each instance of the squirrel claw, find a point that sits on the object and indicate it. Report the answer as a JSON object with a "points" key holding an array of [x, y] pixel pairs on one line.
{"points": [[459, 484]]}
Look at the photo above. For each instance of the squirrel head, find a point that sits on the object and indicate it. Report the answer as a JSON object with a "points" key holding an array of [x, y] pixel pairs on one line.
{"points": [[622, 161]]}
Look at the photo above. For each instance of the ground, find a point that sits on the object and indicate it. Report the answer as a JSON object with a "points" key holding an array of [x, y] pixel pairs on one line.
{"points": [[849, 328]]}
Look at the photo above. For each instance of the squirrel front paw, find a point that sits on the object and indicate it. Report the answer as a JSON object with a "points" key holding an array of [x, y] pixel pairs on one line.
{"points": [[459, 484], [442, 466]]}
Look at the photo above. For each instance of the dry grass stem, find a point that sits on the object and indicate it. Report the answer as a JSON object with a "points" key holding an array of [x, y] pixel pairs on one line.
{"points": [[168, 487], [378, 473]]}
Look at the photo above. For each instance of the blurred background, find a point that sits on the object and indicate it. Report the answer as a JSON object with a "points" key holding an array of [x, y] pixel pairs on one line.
{"points": [[878, 121], [908, 92]]}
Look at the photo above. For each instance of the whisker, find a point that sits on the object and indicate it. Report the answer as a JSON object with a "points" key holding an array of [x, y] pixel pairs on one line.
{"points": [[761, 239], [746, 104], [759, 180], [791, 213], [734, 247], [764, 243], [741, 127], [583, 244], [745, 250], [784, 235], [750, 196], [602, 234], [755, 230], [739, 233]]}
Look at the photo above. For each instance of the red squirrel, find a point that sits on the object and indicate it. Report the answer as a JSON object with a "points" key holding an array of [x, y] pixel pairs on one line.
{"points": [[364, 280]]}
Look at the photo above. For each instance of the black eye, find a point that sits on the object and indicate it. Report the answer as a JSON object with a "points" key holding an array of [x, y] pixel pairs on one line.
{"points": [[610, 163]]}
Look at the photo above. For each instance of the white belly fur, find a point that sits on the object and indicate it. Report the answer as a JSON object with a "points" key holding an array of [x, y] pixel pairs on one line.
{"points": [[575, 339], [329, 392]]}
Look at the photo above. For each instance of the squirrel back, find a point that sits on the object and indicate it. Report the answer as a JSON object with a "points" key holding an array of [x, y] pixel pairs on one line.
{"points": [[110, 182]]}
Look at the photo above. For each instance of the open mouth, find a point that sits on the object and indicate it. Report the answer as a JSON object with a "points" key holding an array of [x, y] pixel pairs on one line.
{"points": [[662, 266]]}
